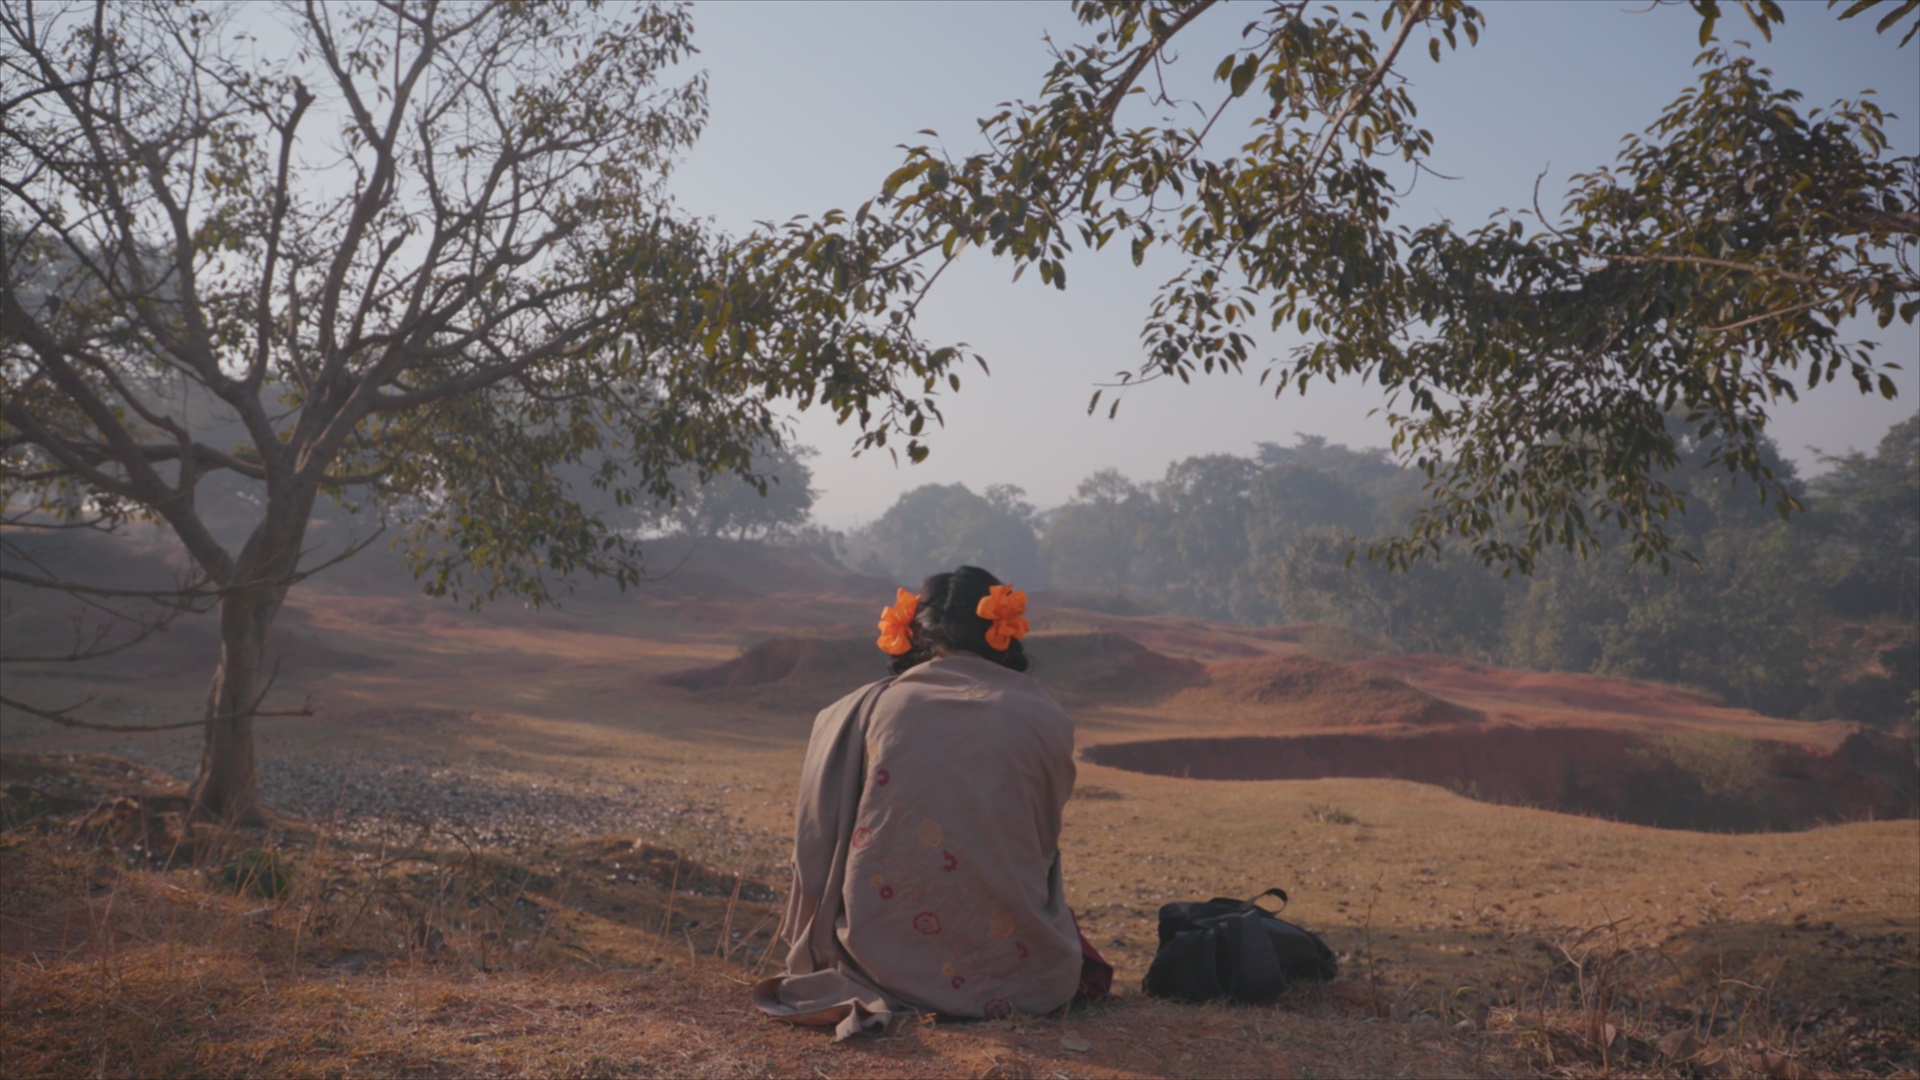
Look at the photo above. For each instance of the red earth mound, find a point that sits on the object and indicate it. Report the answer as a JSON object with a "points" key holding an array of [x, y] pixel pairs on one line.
{"points": [[1315, 692], [1552, 691], [1700, 781], [810, 673], [1108, 667], [1181, 639], [1077, 668], [1323, 640]]}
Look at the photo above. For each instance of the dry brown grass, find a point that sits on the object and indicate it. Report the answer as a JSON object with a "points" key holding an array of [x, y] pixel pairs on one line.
{"points": [[119, 965], [437, 963]]}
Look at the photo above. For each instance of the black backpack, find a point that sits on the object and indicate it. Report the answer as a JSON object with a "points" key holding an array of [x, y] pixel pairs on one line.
{"points": [[1235, 949]]}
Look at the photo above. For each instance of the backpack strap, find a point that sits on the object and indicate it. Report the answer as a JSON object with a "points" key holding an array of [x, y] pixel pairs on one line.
{"points": [[1254, 902]]}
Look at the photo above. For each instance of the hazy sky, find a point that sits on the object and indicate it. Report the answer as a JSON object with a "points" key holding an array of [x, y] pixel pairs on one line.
{"points": [[811, 102]]}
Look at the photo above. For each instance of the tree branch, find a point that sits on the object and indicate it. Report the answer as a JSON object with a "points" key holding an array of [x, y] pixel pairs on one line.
{"points": [[59, 716], [1110, 104]]}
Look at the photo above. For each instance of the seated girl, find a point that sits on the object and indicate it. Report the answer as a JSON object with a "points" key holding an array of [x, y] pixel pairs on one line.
{"points": [[926, 859]]}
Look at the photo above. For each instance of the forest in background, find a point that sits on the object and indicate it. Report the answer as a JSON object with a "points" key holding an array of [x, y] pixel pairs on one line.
{"points": [[1814, 616]]}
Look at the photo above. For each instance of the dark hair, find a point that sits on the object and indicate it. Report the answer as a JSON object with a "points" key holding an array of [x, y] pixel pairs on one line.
{"points": [[948, 620]]}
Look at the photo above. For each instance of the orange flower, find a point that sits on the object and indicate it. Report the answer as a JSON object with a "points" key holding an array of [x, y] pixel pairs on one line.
{"points": [[896, 624], [1005, 607]]}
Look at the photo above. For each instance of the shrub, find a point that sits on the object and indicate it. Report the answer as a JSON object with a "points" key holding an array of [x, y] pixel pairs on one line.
{"points": [[259, 872]]}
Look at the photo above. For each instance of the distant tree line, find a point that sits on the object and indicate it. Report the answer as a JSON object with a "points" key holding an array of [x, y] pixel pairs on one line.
{"points": [[1813, 617]]}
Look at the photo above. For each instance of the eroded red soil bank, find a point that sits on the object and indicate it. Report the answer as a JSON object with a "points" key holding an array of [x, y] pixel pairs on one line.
{"points": [[1670, 781]]}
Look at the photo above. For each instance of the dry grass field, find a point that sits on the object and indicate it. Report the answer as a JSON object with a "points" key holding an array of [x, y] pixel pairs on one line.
{"points": [[550, 843]]}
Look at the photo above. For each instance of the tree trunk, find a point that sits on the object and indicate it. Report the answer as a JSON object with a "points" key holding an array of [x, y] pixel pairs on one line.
{"points": [[227, 788]]}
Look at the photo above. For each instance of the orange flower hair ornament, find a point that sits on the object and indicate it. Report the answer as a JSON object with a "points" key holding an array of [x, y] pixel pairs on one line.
{"points": [[1005, 607], [896, 624]]}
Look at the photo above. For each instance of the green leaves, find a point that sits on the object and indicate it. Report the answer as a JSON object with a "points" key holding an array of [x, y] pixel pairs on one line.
{"points": [[905, 174], [1532, 364], [1889, 19], [1763, 14], [1243, 74]]}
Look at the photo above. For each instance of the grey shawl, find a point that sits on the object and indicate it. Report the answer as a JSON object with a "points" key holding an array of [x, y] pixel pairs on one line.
{"points": [[926, 864]]}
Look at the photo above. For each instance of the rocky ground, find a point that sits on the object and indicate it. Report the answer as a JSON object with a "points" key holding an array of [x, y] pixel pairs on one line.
{"points": [[404, 795]]}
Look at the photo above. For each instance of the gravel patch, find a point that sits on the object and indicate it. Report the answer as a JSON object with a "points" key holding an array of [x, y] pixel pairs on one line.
{"points": [[474, 803], [447, 801], [404, 792]]}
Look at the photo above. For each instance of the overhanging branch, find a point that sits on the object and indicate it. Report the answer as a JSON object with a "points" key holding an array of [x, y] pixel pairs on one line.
{"points": [[61, 717]]}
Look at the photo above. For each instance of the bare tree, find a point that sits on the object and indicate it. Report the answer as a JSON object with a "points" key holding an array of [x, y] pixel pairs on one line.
{"points": [[415, 255]]}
